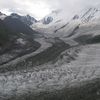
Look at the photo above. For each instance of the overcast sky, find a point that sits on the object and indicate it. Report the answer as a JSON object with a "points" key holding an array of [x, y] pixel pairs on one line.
{"points": [[40, 8]]}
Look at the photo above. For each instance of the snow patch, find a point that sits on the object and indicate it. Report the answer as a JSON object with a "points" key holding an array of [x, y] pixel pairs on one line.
{"points": [[2, 17], [21, 41]]}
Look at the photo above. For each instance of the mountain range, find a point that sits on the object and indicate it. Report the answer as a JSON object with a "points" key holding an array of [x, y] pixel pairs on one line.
{"points": [[55, 58]]}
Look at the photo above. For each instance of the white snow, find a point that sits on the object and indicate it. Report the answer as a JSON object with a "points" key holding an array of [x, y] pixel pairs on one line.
{"points": [[2, 17], [21, 41], [86, 16]]}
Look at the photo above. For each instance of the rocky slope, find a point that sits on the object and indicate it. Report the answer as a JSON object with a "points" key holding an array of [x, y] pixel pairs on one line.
{"points": [[25, 19], [16, 39]]}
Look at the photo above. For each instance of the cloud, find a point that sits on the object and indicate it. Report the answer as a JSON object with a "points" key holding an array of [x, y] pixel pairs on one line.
{"points": [[40, 8], [36, 8]]}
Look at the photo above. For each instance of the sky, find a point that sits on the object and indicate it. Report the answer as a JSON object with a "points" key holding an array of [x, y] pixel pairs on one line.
{"points": [[41, 8]]}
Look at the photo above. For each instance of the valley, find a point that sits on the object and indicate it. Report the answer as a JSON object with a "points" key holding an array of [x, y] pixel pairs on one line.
{"points": [[53, 60]]}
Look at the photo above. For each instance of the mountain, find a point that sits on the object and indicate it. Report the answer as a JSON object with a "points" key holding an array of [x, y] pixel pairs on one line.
{"points": [[61, 24], [25, 19], [17, 26], [16, 39], [52, 17], [47, 20]]}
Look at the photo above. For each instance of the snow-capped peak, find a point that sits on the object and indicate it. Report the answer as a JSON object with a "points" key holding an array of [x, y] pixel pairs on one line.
{"points": [[90, 14]]}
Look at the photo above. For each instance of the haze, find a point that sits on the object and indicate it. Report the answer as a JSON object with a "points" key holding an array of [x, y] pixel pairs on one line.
{"points": [[41, 8]]}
